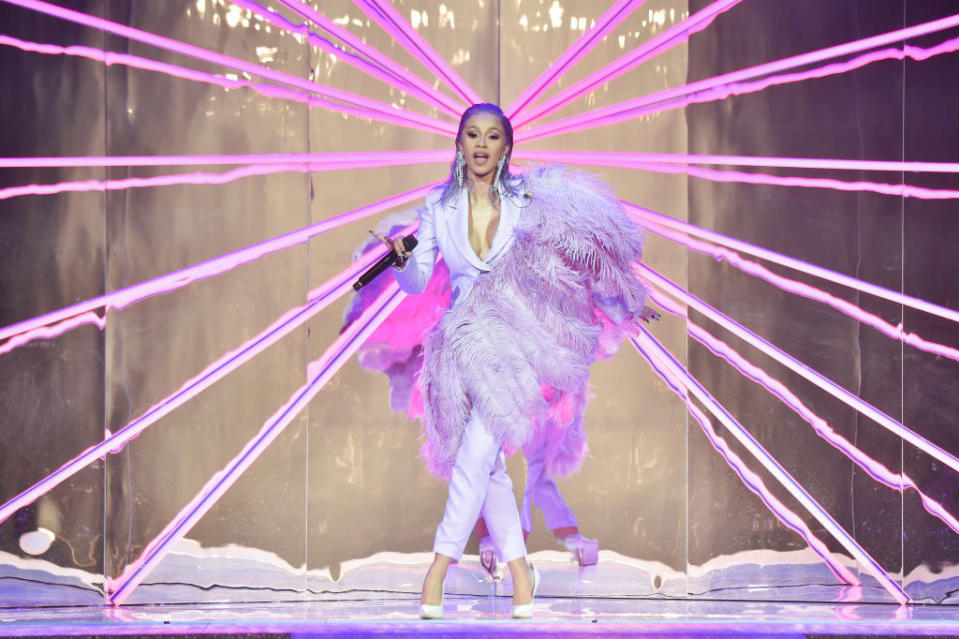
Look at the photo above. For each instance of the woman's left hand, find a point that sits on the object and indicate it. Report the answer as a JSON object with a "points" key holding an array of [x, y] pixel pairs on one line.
{"points": [[649, 313]]}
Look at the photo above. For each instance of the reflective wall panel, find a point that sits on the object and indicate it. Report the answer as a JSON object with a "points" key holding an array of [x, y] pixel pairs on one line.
{"points": [[53, 252]]}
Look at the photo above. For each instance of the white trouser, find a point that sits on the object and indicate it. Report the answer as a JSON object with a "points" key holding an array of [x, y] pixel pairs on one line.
{"points": [[542, 491], [479, 483]]}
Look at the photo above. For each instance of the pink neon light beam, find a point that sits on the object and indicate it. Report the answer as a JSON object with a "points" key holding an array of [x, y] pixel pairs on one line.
{"points": [[389, 19], [152, 39], [126, 296], [751, 480], [647, 215], [204, 178], [878, 471], [662, 100], [430, 96], [366, 159], [607, 158], [805, 290], [320, 372], [692, 385], [619, 11], [899, 190], [742, 88], [268, 90], [798, 367], [384, 61], [320, 298], [676, 34]]}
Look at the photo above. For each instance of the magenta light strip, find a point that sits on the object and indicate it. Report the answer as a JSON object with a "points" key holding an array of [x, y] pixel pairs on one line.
{"points": [[126, 296], [585, 43], [606, 158], [321, 371], [899, 190], [692, 385], [676, 34], [742, 88], [372, 106], [384, 61], [805, 290], [429, 96], [389, 19], [49, 332], [268, 90], [366, 159], [751, 480], [204, 178], [872, 467], [798, 367], [644, 214], [320, 298], [635, 107]]}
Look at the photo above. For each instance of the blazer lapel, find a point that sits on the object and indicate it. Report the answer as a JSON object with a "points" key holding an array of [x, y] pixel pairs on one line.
{"points": [[457, 219], [508, 217]]}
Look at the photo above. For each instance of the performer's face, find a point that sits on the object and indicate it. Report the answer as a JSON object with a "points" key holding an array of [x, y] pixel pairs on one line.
{"points": [[483, 143]]}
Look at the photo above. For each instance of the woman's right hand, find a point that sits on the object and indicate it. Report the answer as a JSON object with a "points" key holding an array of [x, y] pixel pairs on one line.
{"points": [[395, 245]]}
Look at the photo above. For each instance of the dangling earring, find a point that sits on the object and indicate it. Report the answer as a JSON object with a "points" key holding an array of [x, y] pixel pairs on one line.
{"points": [[498, 180], [458, 167]]}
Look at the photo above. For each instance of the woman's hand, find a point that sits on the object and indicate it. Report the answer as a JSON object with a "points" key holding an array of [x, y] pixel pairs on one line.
{"points": [[395, 245]]}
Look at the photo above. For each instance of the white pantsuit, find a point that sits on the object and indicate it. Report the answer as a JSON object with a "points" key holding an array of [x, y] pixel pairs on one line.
{"points": [[478, 483]]}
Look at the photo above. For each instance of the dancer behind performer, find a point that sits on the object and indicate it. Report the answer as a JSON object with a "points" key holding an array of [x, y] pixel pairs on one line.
{"points": [[540, 269]]}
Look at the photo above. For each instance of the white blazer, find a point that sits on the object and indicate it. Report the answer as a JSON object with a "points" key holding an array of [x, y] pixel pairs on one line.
{"points": [[445, 228]]}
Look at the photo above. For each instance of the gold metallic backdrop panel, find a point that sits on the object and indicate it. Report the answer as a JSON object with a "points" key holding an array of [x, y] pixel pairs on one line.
{"points": [[154, 346], [52, 252]]}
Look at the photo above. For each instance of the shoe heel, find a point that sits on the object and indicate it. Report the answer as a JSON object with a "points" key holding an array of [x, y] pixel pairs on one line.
{"points": [[525, 611], [433, 611]]}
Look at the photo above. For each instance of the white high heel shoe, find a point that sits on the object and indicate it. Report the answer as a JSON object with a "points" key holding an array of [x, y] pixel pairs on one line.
{"points": [[525, 611], [433, 611], [489, 560]]}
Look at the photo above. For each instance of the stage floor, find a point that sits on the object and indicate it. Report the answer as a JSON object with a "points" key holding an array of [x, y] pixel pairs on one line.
{"points": [[376, 614]]}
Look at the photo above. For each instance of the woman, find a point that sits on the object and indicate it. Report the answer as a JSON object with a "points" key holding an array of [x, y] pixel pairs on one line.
{"points": [[540, 269]]}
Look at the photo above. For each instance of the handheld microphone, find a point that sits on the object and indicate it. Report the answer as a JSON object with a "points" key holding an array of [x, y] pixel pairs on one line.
{"points": [[409, 243]]}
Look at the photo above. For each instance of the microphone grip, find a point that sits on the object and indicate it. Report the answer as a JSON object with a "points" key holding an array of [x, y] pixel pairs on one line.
{"points": [[409, 243]]}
